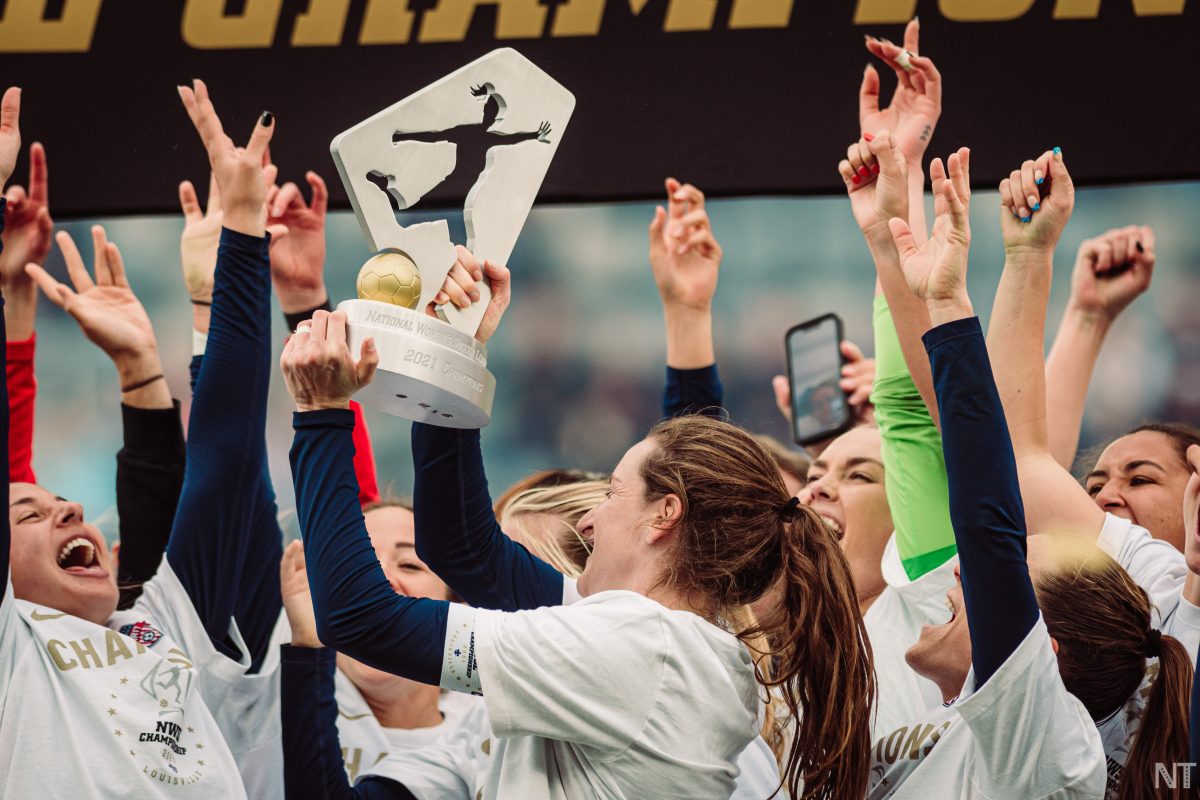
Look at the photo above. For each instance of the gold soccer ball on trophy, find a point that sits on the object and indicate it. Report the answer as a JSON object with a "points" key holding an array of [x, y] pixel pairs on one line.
{"points": [[390, 278]]}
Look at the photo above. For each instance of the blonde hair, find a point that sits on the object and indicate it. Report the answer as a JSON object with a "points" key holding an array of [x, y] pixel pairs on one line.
{"points": [[560, 507]]}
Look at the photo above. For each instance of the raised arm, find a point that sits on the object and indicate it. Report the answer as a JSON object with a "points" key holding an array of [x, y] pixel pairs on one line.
{"points": [[297, 233], [1110, 272], [10, 145], [225, 499], [1054, 501], [27, 231], [685, 258], [911, 446], [457, 533], [150, 465], [985, 497]]}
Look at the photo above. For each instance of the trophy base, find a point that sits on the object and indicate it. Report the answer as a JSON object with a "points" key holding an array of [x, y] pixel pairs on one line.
{"points": [[428, 370]]}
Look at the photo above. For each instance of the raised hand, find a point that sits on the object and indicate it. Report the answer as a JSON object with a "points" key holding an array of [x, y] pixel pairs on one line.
{"points": [[27, 223], [106, 309], [10, 133], [915, 107], [544, 133], [858, 378], [297, 598], [876, 178], [936, 272], [318, 368], [1111, 270], [200, 239], [298, 244], [684, 255], [241, 173], [460, 288], [1036, 202]]}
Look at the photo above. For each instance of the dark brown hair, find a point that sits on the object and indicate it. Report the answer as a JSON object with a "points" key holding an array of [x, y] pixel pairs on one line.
{"points": [[737, 536], [1101, 620], [1182, 436]]}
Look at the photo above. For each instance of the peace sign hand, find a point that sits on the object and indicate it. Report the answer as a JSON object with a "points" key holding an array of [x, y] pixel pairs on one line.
{"points": [[241, 171]]}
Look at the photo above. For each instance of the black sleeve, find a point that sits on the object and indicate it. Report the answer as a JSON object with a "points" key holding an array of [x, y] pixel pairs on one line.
{"points": [[985, 496], [150, 468], [313, 767], [693, 391]]}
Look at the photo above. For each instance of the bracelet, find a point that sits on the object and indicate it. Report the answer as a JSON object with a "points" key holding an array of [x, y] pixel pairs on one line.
{"points": [[202, 302], [135, 386]]}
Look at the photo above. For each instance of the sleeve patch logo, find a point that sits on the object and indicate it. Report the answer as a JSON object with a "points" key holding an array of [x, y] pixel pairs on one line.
{"points": [[142, 633]]}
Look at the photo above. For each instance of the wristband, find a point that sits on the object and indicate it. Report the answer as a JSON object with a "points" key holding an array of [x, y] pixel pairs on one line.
{"points": [[135, 386], [199, 342]]}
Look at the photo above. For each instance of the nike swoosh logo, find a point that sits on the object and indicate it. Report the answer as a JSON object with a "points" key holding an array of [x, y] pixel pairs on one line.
{"points": [[38, 616]]}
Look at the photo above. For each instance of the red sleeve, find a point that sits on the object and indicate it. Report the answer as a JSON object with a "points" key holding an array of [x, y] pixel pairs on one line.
{"points": [[364, 456], [22, 392]]}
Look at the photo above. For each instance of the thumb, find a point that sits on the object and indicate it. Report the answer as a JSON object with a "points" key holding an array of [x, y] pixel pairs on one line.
{"points": [[277, 231], [868, 94], [851, 351], [58, 293], [903, 237], [368, 360], [783, 393], [884, 150], [1059, 175]]}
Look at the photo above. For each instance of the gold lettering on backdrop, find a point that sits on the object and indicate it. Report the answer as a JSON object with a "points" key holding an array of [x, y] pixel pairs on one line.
{"points": [[1090, 9], [206, 26], [984, 10], [24, 28], [85, 650], [760, 14], [515, 19], [384, 22], [52, 647], [882, 12]]}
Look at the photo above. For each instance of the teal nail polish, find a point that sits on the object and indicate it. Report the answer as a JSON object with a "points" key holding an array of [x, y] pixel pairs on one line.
{"points": [[1040, 181], [1026, 219], [1058, 151], [1037, 206]]}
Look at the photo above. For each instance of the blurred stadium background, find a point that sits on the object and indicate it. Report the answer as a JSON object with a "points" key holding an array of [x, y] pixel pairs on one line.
{"points": [[579, 359]]}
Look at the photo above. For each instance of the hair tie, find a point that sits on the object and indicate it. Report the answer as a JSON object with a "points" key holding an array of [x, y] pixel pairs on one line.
{"points": [[787, 511], [1154, 643]]}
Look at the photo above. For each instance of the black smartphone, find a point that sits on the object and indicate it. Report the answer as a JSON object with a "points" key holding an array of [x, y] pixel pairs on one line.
{"points": [[820, 409]]}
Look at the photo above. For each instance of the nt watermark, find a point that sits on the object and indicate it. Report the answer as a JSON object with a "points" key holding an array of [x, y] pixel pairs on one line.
{"points": [[1173, 776]]}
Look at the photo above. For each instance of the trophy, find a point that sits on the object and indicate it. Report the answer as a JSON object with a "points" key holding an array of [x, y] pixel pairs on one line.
{"points": [[499, 117]]}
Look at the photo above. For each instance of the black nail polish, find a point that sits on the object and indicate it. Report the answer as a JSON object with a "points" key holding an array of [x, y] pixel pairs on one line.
{"points": [[1140, 249], [268, 119]]}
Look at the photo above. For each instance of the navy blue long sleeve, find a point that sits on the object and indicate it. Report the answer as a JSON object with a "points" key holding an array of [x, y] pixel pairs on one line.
{"points": [[457, 533], [357, 612], [5, 531], [214, 548], [985, 496], [1194, 717], [313, 768], [693, 391]]}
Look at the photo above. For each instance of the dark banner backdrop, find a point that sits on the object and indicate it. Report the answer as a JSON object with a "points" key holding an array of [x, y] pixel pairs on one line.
{"points": [[737, 96]]}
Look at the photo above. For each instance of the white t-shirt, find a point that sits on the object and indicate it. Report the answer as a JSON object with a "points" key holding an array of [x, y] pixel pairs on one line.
{"points": [[614, 696], [1154, 565], [254, 708], [894, 623], [1021, 735], [116, 711]]}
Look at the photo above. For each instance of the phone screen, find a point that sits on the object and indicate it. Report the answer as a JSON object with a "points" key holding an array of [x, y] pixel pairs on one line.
{"points": [[819, 406]]}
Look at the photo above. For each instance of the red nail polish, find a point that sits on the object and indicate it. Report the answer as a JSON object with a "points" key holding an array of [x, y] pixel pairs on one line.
{"points": [[856, 179], [875, 168], [868, 137], [864, 172]]}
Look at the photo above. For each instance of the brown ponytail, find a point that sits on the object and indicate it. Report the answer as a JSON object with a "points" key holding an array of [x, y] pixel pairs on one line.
{"points": [[738, 537], [1102, 622]]}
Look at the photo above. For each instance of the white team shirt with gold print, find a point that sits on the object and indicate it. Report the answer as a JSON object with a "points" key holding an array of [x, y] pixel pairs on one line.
{"points": [[117, 711]]}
